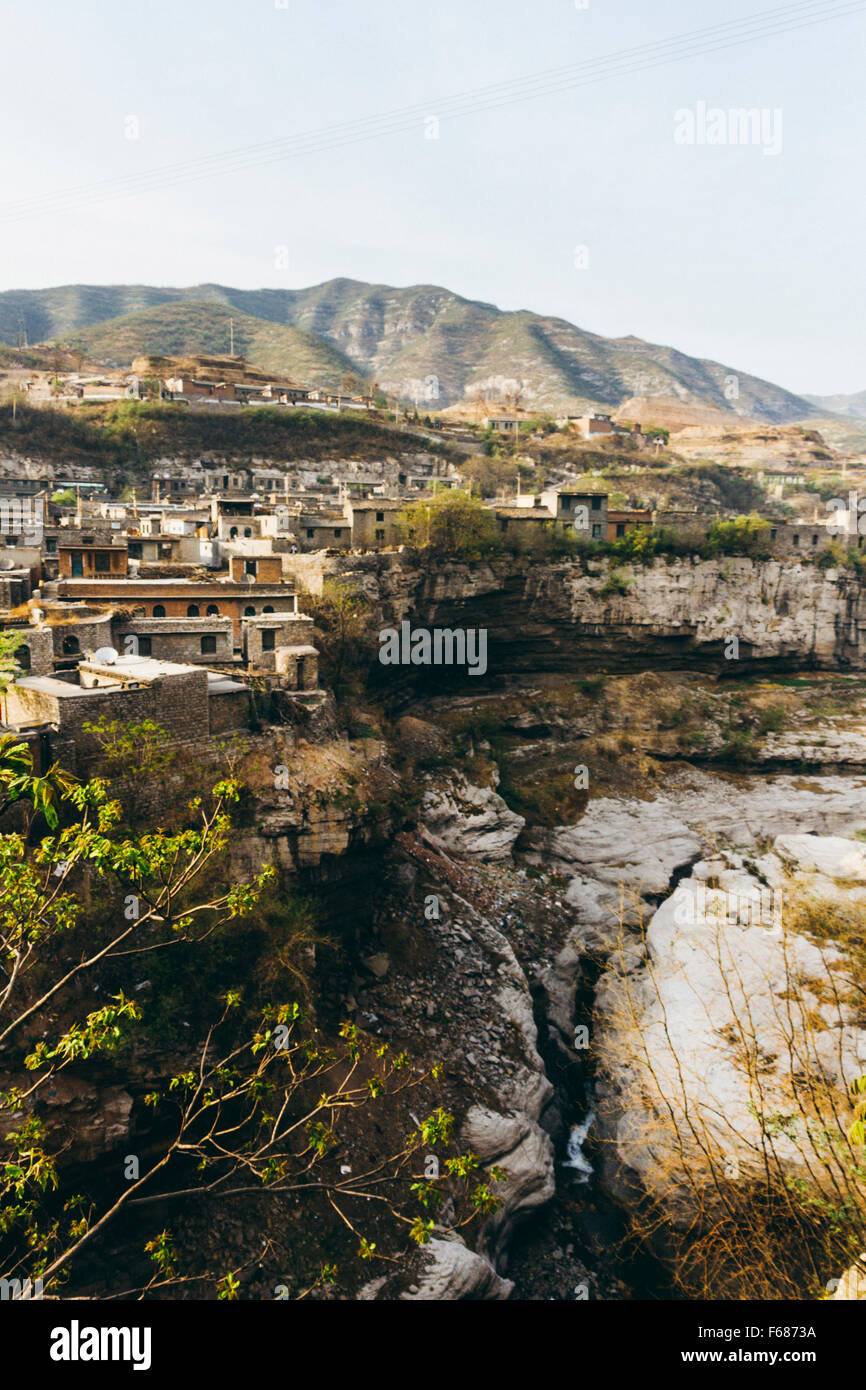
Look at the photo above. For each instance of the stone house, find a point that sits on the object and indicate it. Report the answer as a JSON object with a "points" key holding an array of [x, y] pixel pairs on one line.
{"points": [[190, 703], [319, 532], [582, 512], [374, 523], [281, 643]]}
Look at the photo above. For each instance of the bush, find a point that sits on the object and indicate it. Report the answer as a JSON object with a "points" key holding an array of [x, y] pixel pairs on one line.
{"points": [[743, 535], [616, 584], [592, 685]]}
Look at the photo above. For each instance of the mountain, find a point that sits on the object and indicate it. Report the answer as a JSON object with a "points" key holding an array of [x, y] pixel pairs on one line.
{"points": [[853, 407], [420, 342]]}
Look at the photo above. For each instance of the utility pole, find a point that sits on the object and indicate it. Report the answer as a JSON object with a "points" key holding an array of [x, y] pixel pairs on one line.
{"points": [[231, 337]]}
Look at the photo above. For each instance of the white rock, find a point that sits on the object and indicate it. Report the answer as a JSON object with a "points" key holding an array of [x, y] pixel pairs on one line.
{"points": [[464, 819]]}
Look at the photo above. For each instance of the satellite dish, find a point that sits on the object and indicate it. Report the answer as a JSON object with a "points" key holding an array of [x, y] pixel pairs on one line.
{"points": [[106, 656], [249, 579]]}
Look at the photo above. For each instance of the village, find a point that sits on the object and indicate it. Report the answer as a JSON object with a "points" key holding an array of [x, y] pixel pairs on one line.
{"points": [[173, 607]]}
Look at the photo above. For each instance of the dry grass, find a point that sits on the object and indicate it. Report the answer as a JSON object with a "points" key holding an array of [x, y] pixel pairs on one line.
{"points": [[769, 1210]]}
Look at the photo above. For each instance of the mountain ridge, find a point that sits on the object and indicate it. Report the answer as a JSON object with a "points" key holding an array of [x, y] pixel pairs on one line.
{"points": [[422, 342]]}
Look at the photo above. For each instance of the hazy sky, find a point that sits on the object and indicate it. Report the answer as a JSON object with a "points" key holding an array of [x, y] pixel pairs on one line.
{"points": [[722, 250]]}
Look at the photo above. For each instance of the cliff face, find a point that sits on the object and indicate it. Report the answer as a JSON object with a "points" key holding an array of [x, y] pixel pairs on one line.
{"points": [[558, 616]]}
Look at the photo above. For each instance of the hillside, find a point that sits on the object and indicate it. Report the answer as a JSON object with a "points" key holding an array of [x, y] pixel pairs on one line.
{"points": [[121, 443], [175, 330], [400, 337]]}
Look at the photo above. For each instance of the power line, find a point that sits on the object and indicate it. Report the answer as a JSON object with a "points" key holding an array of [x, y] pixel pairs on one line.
{"points": [[715, 38]]}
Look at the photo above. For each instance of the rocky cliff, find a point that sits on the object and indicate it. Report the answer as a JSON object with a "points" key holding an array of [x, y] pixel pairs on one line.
{"points": [[564, 615]]}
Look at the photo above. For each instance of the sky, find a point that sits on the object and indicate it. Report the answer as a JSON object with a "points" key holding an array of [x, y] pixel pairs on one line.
{"points": [[596, 201]]}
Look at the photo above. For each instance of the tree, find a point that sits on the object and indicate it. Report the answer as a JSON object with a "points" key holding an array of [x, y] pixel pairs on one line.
{"points": [[342, 614], [262, 1105], [454, 525]]}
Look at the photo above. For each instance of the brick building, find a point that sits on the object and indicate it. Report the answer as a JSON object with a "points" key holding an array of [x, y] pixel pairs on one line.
{"points": [[92, 557], [185, 598]]}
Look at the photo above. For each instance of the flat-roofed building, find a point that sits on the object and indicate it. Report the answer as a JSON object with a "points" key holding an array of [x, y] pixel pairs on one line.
{"points": [[185, 598]]}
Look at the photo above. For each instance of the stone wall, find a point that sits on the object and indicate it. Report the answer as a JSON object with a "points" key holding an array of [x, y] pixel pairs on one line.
{"points": [[175, 639], [39, 643], [178, 702]]}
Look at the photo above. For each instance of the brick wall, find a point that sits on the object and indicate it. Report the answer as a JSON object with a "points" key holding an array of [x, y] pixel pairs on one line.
{"points": [[268, 569]]}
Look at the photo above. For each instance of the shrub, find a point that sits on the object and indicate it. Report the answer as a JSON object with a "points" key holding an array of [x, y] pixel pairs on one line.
{"points": [[743, 535], [617, 583]]}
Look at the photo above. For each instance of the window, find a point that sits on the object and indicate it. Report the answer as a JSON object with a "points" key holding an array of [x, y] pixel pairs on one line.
{"points": [[796, 540], [338, 533], [380, 516], [144, 646], [772, 533], [249, 612], [814, 540], [158, 610], [249, 566], [11, 540], [248, 531], [310, 533], [596, 529], [208, 645], [596, 504], [380, 535], [70, 646], [22, 656], [268, 608], [192, 610], [212, 611], [135, 550], [233, 533], [269, 639]]}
